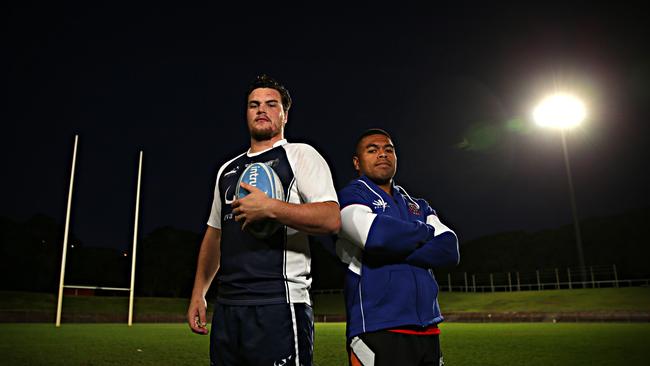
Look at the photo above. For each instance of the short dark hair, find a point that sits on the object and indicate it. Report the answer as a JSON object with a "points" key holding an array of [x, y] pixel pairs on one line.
{"points": [[369, 132], [265, 81]]}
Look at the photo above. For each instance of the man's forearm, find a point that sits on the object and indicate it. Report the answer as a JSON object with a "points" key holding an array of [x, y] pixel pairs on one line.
{"points": [[440, 251], [208, 261], [312, 218]]}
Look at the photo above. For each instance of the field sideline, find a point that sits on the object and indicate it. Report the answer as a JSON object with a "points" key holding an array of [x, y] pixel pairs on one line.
{"points": [[152, 309], [531, 344]]}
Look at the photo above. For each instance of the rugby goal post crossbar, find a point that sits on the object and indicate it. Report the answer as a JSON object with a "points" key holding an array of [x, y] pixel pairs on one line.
{"points": [[65, 245], [97, 288]]}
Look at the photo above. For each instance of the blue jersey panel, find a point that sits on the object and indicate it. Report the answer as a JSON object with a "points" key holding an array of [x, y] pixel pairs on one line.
{"points": [[252, 270]]}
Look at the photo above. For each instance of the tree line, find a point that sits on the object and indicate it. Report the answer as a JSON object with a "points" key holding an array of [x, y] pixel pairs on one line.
{"points": [[30, 255]]}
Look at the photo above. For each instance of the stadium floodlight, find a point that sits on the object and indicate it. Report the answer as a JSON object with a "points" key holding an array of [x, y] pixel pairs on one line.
{"points": [[564, 111], [560, 110]]}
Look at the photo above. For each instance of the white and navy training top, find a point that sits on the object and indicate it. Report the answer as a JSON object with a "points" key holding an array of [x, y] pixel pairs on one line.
{"points": [[276, 269]]}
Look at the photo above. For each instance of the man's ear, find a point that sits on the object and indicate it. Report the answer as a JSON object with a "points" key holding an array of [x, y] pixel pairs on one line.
{"points": [[355, 163]]}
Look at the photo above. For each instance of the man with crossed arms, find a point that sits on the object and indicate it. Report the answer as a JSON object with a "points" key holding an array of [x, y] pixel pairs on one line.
{"points": [[390, 242]]}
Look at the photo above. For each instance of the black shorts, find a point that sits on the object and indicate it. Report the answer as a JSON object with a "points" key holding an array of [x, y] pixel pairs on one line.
{"points": [[281, 334], [384, 348]]}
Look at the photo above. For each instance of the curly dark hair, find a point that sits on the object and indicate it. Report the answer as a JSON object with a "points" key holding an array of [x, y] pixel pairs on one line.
{"points": [[265, 81]]}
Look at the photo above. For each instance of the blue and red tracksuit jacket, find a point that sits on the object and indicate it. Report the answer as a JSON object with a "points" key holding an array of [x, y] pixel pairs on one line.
{"points": [[390, 244]]}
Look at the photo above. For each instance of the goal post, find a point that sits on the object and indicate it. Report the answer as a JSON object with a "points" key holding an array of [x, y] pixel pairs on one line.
{"points": [[65, 234], [62, 285], [135, 242]]}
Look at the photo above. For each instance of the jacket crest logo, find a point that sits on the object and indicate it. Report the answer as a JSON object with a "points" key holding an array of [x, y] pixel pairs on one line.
{"points": [[414, 209]]}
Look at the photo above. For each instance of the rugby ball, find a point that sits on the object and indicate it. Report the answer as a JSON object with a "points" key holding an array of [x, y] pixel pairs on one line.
{"points": [[264, 178]]}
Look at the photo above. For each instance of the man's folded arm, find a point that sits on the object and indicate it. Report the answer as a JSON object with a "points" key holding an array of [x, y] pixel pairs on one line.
{"points": [[439, 251], [382, 234]]}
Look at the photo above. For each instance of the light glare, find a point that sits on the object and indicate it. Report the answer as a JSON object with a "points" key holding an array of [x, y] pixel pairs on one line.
{"points": [[560, 111]]}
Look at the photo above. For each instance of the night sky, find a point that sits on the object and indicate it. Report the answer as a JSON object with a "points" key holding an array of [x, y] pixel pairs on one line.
{"points": [[455, 86]]}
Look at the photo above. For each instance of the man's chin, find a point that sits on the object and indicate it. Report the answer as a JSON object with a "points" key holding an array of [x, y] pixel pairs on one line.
{"points": [[263, 135], [381, 179]]}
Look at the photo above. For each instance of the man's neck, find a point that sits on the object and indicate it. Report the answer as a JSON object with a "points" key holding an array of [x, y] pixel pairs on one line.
{"points": [[257, 146], [387, 188]]}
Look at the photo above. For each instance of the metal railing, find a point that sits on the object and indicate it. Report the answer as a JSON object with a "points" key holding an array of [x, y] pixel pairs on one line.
{"points": [[595, 276]]}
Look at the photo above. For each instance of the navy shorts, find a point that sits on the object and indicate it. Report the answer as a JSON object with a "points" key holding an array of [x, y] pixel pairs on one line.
{"points": [[279, 334], [384, 348]]}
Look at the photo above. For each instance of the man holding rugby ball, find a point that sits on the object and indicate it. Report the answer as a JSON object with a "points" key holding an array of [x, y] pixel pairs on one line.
{"points": [[262, 314]]}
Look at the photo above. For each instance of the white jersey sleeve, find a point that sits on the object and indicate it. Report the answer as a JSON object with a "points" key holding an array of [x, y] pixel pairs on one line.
{"points": [[313, 178]]}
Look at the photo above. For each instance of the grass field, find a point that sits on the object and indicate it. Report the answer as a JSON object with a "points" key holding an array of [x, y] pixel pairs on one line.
{"points": [[531, 344], [589, 344], [578, 300], [592, 300], [91, 304]]}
